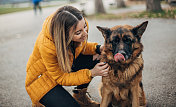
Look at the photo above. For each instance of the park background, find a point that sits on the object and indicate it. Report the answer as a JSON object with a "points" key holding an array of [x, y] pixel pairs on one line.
{"points": [[20, 26]]}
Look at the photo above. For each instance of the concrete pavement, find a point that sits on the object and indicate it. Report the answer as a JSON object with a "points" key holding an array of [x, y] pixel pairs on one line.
{"points": [[18, 32]]}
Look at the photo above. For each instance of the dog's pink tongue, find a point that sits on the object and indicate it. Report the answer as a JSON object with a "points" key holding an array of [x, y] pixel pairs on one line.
{"points": [[119, 57]]}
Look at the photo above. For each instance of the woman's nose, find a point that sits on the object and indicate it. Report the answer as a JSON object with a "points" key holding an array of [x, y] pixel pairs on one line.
{"points": [[85, 33]]}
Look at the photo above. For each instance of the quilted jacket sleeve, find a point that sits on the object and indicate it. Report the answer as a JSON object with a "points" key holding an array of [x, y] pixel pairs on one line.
{"points": [[66, 79]]}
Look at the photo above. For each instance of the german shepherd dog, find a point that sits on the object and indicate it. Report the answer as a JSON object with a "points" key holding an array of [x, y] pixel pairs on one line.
{"points": [[123, 52]]}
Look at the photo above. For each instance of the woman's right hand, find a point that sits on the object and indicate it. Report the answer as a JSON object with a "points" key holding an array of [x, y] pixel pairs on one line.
{"points": [[100, 69]]}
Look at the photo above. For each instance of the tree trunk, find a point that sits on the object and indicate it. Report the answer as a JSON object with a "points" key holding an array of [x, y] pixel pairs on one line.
{"points": [[99, 8], [153, 5], [120, 3]]}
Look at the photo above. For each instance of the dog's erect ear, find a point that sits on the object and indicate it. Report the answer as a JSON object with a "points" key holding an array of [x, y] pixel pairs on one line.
{"points": [[139, 30], [105, 31]]}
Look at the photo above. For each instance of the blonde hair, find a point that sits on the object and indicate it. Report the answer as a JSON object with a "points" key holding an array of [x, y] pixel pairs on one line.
{"points": [[64, 20]]}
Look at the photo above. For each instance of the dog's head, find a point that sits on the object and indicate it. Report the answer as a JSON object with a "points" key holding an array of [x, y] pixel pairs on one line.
{"points": [[123, 43]]}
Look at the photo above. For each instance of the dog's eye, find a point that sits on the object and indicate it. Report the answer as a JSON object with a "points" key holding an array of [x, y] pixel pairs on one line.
{"points": [[127, 40], [115, 41], [110, 49]]}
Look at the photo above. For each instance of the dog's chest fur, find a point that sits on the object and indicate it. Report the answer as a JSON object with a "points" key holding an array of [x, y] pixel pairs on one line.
{"points": [[122, 78]]}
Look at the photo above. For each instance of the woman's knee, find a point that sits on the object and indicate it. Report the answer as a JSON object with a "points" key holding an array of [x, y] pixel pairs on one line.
{"points": [[58, 96]]}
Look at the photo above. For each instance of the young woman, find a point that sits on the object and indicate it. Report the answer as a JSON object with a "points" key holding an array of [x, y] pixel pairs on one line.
{"points": [[63, 57]]}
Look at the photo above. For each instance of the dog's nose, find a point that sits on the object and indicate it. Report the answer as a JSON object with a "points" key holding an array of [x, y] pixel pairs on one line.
{"points": [[122, 52]]}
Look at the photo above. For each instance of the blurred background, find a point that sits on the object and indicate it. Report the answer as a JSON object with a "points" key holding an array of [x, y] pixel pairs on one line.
{"points": [[21, 21], [89, 7]]}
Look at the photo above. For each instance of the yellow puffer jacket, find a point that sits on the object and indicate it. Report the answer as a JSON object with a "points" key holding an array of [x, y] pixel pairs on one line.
{"points": [[43, 72]]}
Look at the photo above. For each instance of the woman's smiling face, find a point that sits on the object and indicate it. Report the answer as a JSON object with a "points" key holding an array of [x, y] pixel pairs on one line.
{"points": [[80, 34]]}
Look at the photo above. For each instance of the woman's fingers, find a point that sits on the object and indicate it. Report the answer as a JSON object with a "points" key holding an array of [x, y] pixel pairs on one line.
{"points": [[101, 69], [104, 66], [105, 72], [101, 63]]}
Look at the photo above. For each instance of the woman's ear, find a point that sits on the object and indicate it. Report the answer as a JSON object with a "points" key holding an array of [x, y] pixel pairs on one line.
{"points": [[106, 32]]}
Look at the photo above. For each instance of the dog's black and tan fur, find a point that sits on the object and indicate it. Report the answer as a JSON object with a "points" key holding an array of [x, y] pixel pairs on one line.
{"points": [[123, 86]]}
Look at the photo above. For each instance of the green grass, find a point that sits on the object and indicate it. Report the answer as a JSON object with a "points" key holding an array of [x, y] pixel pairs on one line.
{"points": [[104, 16], [5, 10], [166, 13]]}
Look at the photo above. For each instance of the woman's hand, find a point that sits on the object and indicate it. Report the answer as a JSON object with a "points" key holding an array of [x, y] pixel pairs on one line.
{"points": [[101, 48], [100, 69]]}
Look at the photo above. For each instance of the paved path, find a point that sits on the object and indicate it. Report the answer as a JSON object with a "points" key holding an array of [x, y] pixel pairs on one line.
{"points": [[18, 32]]}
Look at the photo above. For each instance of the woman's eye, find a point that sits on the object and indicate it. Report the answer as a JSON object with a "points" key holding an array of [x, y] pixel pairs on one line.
{"points": [[78, 32]]}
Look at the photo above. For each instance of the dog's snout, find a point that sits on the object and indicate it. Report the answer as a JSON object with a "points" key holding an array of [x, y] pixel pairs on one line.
{"points": [[122, 52]]}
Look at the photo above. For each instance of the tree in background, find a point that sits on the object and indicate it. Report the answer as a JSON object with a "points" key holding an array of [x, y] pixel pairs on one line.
{"points": [[153, 5], [99, 7], [120, 3]]}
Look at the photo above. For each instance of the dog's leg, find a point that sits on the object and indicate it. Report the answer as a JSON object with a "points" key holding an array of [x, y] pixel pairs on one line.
{"points": [[135, 96], [142, 100], [116, 94], [124, 94], [106, 97], [125, 103]]}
